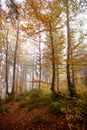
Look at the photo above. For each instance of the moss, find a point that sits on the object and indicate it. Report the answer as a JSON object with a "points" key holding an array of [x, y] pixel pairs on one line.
{"points": [[55, 108], [45, 99], [22, 104]]}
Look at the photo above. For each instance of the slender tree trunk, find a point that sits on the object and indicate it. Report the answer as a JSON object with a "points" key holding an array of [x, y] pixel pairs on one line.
{"points": [[70, 85], [57, 77], [73, 78], [6, 78], [32, 77], [39, 61], [17, 80], [15, 59], [53, 61], [21, 79], [25, 77], [73, 73]]}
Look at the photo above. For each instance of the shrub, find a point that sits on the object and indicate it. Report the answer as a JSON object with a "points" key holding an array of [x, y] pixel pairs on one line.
{"points": [[25, 94], [30, 107], [75, 118], [35, 95], [46, 99], [8, 99], [30, 99], [55, 108], [76, 113], [56, 96], [22, 104], [19, 98], [31, 96], [22, 96]]}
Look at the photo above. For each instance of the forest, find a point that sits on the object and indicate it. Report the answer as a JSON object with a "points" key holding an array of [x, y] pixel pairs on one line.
{"points": [[43, 64]]}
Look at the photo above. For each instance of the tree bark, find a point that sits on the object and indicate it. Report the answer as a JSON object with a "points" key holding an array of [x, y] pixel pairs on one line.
{"points": [[73, 74], [39, 62], [6, 78], [57, 77], [15, 59], [70, 85], [53, 61]]}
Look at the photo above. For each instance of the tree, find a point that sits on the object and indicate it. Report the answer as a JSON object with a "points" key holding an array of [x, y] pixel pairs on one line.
{"points": [[50, 25], [71, 87], [32, 51]]}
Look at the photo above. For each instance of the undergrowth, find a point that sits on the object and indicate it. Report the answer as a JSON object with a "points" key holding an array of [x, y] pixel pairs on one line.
{"points": [[74, 110], [38, 119]]}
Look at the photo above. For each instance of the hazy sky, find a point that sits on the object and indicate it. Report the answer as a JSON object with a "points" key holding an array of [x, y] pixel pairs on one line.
{"points": [[3, 2], [81, 17]]}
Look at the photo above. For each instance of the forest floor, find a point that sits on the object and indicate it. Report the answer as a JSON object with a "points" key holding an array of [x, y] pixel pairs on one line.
{"points": [[23, 120], [13, 117]]}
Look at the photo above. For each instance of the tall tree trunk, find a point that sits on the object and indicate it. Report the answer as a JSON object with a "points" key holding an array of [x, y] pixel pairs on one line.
{"points": [[24, 78], [32, 76], [15, 59], [57, 77], [39, 61], [6, 78], [17, 81], [21, 79], [73, 73], [70, 85], [53, 60]]}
